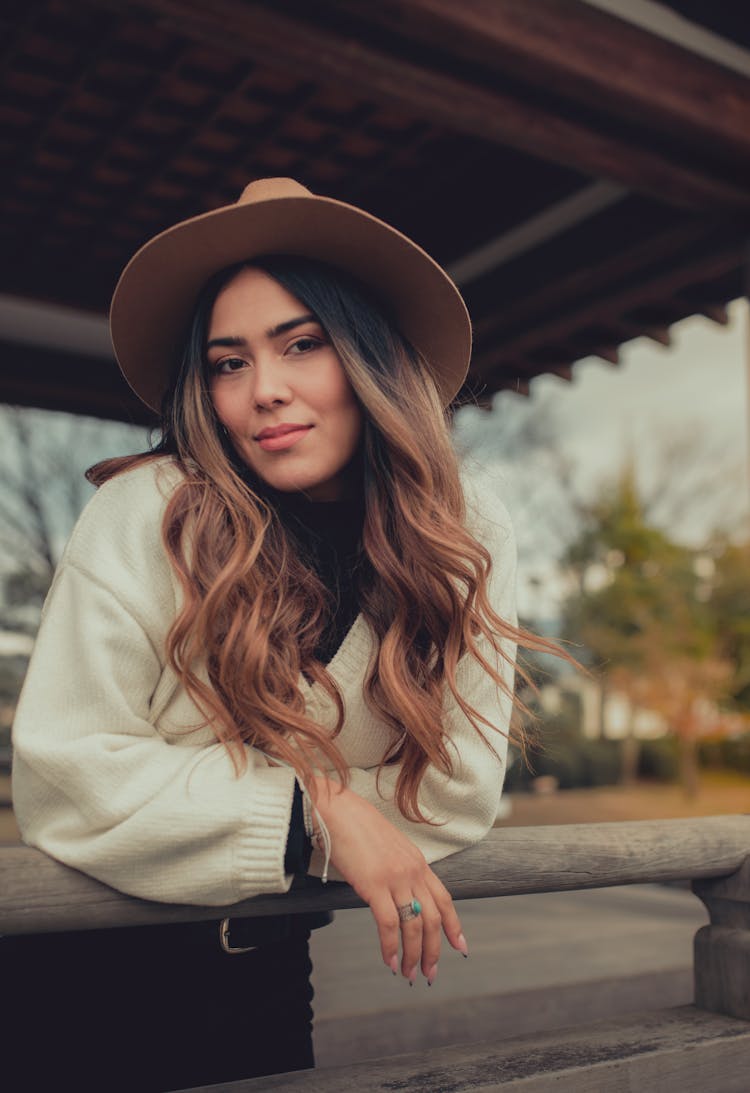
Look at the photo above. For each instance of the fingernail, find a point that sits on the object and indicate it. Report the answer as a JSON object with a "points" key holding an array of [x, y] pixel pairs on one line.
{"points": [[413, 975], [393, 965], [462, 947], [432, 975]]}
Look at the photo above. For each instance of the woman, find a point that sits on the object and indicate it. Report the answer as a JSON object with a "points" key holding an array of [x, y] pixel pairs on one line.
{"points": [[283, 641]]}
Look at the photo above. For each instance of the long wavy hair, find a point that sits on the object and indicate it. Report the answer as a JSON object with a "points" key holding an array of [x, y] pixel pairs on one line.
{"points": [[253, 610]]}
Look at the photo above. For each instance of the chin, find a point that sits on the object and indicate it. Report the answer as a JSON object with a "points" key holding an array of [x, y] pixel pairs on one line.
{"points": [[287, 483]]}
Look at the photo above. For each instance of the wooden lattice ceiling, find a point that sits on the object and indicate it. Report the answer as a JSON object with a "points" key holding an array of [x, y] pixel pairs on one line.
{"points": [[584, 178]]}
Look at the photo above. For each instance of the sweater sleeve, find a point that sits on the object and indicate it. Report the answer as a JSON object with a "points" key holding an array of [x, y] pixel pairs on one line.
{"points": [[95, 784], [464, 804]]}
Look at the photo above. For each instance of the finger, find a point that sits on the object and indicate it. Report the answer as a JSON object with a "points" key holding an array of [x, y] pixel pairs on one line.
{"points": [[431, 936], [388, 925], [411, 941], [449, 916]]}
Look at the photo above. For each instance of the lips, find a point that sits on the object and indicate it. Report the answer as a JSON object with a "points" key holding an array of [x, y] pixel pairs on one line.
{"points": [[278, 437], [280, 430]]}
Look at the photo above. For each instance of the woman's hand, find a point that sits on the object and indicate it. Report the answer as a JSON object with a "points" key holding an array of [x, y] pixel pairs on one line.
{"points": [[387, 871]]}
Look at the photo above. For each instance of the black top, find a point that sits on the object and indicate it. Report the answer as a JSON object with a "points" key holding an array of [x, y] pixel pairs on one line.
{"points": [[328, 535]]}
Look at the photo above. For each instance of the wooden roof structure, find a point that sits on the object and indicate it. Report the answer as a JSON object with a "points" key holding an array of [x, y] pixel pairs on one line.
{"points": [[579, 166]]}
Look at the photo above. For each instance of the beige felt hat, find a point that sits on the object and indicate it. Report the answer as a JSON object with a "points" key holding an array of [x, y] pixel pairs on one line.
{"points": [[154, 299]]}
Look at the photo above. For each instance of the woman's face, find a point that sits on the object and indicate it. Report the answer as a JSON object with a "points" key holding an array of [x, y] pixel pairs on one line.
{"points": [[279, 389]]}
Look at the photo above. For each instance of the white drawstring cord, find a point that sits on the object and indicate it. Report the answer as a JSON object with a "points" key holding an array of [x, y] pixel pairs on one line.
{"points": [[315, 828]]}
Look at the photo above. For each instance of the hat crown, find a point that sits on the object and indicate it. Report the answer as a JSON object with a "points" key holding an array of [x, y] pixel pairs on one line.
{"points": [[267, 189]]}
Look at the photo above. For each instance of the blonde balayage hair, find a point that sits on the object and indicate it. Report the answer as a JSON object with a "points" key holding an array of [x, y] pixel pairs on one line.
{"points": [[253, 611]]}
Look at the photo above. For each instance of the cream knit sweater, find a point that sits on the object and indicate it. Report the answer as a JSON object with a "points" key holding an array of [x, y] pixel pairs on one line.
{"points": [[113, 773]]}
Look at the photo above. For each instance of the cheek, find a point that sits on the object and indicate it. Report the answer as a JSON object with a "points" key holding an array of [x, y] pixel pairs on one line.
{"points": [[357, 423], [350, 417], [225, 406], [216, 399], [344, 403]]}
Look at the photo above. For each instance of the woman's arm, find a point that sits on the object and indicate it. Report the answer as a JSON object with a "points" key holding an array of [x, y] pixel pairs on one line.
{"points": [[95, 785]]}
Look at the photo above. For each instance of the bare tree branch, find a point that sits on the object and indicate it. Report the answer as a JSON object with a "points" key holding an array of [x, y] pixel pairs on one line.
{"points": [[43, 487]]}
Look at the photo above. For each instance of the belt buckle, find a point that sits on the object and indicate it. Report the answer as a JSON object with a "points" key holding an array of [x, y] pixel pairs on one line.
{"points": [[233, 950]]}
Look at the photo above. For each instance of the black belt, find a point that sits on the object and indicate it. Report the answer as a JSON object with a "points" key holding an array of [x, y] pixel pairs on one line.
{"points": [[232, 935], [241, 935]]}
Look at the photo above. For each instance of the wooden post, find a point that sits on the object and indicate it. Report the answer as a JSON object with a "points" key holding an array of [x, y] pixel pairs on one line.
{"points": [[722, 949]]}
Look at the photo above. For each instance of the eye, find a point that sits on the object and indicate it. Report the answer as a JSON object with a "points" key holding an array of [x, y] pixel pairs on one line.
{"points": [[228, 364], [305, 344]]}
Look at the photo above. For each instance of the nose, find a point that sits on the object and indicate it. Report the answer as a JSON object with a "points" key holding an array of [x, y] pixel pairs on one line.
{"points": [[270, 387]]}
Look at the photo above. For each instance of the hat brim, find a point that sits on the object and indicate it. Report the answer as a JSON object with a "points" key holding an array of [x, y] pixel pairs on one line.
{"points": [[157, 292]]}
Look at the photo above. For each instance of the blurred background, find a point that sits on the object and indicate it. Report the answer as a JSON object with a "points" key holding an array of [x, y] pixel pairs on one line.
{"points": [[580, 167]]}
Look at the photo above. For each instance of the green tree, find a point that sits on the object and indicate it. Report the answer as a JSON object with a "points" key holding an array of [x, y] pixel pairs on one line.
{"points": [[638, 609], [729, 587]]}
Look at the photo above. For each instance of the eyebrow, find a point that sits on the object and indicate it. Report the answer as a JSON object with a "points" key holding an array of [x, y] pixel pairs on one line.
{"points": [[274, 332]]}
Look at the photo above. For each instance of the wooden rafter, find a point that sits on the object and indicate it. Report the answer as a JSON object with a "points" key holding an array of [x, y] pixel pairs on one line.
{"points": [[46, 216], [608, 353], [52, 379], [626, 329], [571, 49], [491, 365], [596, 278], [717, 313], [563, 371], [255, 31]]}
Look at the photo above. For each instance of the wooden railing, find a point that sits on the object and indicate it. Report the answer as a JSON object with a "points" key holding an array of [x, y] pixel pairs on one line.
{"points": [[39, 895]]}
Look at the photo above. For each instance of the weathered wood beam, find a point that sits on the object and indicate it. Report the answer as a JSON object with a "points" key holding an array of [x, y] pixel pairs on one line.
{"points": [[722, 949], [661, 335], [592, 279], [717, 313], [300, 46], [517, 380], [631, 328], [487, 363], [574, 349], [610, 354], [38, 894], [676, 1050], [534, 231], [53, 380], [570, 48], [563, 371]]}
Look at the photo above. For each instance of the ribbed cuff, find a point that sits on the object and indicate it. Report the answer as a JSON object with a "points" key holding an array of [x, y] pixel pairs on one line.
{"points": [[258, 858]]}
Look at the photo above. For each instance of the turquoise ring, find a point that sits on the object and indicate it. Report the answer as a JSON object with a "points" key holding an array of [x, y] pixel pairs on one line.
{"points": [[409, 910]]}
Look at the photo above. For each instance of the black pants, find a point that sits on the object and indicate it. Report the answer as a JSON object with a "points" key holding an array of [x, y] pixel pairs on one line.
{"points": [[151, 1009]]}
